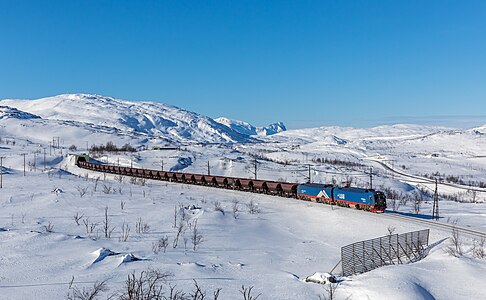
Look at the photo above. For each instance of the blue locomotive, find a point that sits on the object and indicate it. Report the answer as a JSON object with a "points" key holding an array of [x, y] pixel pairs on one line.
{"points": [[366, 199]]}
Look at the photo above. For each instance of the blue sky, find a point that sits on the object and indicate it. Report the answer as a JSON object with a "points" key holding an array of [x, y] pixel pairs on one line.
{"points": [[306, 63]]}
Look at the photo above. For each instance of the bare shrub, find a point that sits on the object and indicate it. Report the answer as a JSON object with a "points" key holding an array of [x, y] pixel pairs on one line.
{"points": [[97, 179], [149, 284], [199, 294], [417, 203], [86, 224], [236, 208], [391, 229], [478, 249], [141, 227], [107, 228], [133, 180], [330, 292], [196, 236], [82, 191], [107, 188], [90, 227], [395, 204], [455, 246], [180, 230], [162, 243], [122, 204], [120, 178], [246, 292], [253, 207], [87, 293], [218, 207], [23, 215], [175, 216], [142, 181], [77, 218], [49, 228], [125, 233]]}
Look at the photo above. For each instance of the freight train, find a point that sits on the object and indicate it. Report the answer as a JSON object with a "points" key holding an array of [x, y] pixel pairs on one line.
{"points": [[365, 199]]}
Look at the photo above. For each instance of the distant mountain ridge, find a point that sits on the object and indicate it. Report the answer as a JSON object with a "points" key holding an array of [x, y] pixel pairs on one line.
{"points": [[150, 118], [248, 129]]}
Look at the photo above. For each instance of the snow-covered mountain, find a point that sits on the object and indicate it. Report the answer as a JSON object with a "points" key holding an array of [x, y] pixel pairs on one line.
{"points": [[479, 130], [7, 112], [248, 129], [147, 118]]}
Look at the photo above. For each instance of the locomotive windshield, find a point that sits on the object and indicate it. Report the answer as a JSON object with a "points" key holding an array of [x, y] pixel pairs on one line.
{"points": [[380, 200]]}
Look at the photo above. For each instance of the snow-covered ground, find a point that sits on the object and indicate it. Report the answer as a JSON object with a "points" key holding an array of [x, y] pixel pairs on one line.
{"points": [[273, 249]]}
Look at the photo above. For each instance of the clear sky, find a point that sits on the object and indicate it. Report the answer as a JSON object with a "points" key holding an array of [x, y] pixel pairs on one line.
{"points": [[306, 63]]}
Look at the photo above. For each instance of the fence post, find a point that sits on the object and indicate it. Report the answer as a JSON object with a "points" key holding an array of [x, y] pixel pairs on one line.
{"points": [[364, 260], [373, 254]]}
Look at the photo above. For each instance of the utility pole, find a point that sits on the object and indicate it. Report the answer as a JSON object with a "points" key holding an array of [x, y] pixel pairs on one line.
{"points": [[23, 154], [209, 169], [35, 168], [255, 169], [371, 178], [435, 209], [118, 161], [87, 149], [50, 148], [1, 171], [310, 179], [131, 162], [162, 165]]}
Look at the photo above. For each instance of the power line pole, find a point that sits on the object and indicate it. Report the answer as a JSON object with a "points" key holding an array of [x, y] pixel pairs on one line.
{"points": [[310, 179], [435, 209], [50, 148], [35, 166], [255, 169], [162, 165], [209, 169], [1, 171], [371, 178]]}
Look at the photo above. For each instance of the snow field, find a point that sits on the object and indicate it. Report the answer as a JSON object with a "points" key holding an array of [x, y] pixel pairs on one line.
{"points": [[272, 250]]}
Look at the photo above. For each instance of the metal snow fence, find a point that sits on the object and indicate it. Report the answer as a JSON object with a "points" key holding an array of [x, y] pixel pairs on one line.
{"points": [[364, 256]]}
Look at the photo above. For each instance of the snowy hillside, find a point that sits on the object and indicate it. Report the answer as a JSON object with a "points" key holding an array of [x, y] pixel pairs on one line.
{"points": [[271, 247], [7, 112], [248, 129], [149, 118], [51, 235], [479, 130]]}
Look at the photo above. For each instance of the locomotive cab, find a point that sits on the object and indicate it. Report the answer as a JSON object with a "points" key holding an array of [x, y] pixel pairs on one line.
{"points": [[380, 201]]}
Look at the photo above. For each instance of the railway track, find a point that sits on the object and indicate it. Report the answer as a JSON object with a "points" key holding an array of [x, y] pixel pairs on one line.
{"points": [[427, 180], [282, 189], [436, 224]]}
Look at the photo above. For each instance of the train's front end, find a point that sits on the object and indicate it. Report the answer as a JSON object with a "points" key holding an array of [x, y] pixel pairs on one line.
{"points": [[380, 202]]}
